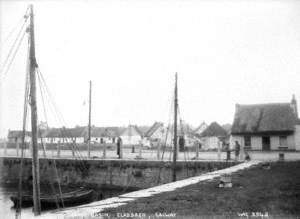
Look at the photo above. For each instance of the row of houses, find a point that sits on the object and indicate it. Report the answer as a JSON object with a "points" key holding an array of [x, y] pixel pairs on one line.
{"points": [[273, 126], [149, 136]]}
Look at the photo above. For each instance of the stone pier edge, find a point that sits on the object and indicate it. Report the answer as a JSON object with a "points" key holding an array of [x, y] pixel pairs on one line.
{"points": [[92, 209]]}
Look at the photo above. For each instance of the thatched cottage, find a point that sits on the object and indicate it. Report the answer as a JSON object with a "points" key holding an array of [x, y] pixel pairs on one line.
{"points": [[273, 126]]}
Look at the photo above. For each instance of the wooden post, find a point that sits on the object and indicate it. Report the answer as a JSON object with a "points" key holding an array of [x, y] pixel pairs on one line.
{"points": [[121, 149], [35, 159], [58, 149], [44, 148], [158, 150], [18, 147], [89, 127], [242, 153], [219, 150], [5, 148], [140, 149], [197, 150], [72, 147], [175, 131], [104, 149]]}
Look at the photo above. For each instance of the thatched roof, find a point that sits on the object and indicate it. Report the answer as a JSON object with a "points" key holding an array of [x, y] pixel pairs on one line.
{"points": [[262, 118], [105, 131], [214, 129], [17, 133]]}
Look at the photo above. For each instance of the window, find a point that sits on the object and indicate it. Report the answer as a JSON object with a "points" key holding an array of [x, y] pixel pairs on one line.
{"points": [[283, 141], [247, 140]]}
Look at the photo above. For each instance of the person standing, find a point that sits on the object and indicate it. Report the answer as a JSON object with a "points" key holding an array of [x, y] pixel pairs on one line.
{"points": [[237, 150], [228, 152], [119, 143]]}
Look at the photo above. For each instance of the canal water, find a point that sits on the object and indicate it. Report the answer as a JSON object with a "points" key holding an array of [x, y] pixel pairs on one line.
{"points": [[7, 211]]}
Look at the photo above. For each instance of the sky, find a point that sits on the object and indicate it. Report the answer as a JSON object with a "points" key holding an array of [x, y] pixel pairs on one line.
{"points": [[224, 51]]}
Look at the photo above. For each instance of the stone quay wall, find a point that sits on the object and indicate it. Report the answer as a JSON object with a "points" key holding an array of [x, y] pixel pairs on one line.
{"points": [[136, 174]]}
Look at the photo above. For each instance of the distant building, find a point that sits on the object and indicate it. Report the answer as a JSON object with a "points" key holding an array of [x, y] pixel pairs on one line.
{"points": [[15, 136], [273, 126], [104, 135], [212, 135], [198, 131], [155, 134], [131, 135]]}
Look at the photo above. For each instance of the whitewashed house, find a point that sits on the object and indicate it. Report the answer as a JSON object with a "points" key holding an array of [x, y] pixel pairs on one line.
{"points": [[155, 134], [103, 135], [273, 126], [15, 136], [212, 135], [131, 135]]}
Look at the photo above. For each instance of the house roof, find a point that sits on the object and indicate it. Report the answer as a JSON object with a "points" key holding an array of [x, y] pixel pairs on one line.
{"points": [[104, 131], [17, 133], [260, 118], [214, 129], [153, 128], [227, 128], [200, 128], [131, 130]]}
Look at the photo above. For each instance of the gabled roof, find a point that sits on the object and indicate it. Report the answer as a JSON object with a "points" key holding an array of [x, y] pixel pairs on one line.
{"points": [[260, 118], [214, 129], [153, 128], [132, 130], [200, 128]]}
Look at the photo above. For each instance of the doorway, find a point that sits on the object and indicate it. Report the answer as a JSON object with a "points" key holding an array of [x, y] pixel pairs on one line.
{"points": [[266, 145]]}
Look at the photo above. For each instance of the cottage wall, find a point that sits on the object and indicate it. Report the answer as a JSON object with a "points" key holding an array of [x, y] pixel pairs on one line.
{"points": [[274, 140], [210, 142], [256, 143], [297, 137], [131, 140], [291, 142]]}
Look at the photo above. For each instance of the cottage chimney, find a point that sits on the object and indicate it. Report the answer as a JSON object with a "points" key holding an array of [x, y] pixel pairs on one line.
{"points": [[294, 105]]}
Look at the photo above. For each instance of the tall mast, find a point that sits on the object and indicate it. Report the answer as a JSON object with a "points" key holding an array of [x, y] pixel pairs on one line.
{"points": [[35, 159], [89, 128], [175, 129]]}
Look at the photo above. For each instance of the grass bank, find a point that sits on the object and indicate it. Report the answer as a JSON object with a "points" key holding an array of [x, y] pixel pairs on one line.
{"points": [[261, 192]]}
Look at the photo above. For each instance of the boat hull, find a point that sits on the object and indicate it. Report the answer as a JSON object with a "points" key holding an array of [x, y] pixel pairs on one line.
{"points": [[67, 199]]}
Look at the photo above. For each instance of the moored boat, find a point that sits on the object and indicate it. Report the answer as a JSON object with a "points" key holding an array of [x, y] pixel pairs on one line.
{"points": [[79, 196]]}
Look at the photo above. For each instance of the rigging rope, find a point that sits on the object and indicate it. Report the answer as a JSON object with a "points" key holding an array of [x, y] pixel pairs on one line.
{"points": [[59, 117], [13, 50], [12, 31], [25, 113]]}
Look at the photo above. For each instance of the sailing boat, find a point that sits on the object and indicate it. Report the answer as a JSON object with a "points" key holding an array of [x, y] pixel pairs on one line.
{"points": [[38, 200]]}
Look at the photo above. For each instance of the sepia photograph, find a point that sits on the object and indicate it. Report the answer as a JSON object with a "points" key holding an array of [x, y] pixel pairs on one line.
{"points": [[149, 109]]}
